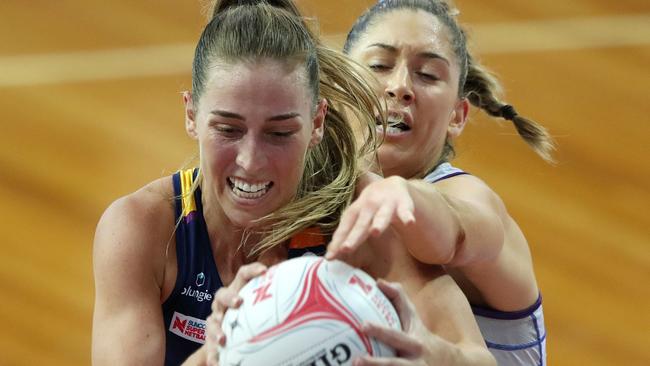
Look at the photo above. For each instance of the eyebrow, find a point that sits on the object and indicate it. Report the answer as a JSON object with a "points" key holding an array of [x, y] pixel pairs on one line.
{"points": [[426, 54], [279, 117]]}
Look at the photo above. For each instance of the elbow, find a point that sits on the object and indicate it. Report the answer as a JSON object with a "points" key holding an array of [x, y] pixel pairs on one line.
{"points": [[443, 251]]}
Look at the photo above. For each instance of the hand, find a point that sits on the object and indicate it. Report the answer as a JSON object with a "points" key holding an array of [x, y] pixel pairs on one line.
{"points": [[381, 203], [227, 297], [414, 345]]}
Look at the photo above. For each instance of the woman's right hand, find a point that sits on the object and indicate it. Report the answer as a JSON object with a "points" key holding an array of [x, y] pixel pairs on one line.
{"points": [[225, 298], [381, 203]]}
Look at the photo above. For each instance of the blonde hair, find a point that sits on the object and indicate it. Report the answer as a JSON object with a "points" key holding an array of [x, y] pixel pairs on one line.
{"points": [[255, 30]]}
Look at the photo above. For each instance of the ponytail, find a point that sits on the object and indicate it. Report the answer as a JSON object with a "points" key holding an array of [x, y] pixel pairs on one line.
{"points": [[220, 6], [481, 88]]}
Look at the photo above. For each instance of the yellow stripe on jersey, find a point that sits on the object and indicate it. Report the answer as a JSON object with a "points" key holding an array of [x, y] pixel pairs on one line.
{"points": [[189, 205]]}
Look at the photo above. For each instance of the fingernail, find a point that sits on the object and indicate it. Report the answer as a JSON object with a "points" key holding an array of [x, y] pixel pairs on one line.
{"points": [[221, 340]]}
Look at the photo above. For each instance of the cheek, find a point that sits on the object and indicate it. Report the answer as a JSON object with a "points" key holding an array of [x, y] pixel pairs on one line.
{"points": [[217, 155]]}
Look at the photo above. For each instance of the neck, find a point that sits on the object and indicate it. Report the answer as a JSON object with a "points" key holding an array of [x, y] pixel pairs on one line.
{"points": [[226, 237]]}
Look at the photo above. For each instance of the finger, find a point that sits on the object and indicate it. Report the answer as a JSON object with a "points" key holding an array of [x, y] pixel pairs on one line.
{"points": [[390, 289], [403, 344], [381, 220], [379, 361], [346, 223], [405, 211], [211, 350], [403, 306], [360, 232], [246, 273], [214, 332], [224, 298]]}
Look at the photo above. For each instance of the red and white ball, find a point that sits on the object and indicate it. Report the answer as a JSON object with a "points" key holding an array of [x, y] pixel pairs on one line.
{"points": [[306, 311]]}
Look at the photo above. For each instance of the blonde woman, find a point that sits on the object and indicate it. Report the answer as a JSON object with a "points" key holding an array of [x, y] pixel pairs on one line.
{"points": [[278, 164]]}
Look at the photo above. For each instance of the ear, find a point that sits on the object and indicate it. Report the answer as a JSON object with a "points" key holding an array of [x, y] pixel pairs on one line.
{"points": [[458, 119], [190, 121], [318, 123]]}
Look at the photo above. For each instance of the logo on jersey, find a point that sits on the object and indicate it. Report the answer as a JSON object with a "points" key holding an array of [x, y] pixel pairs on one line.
{"points": [[188, 327], [198, 295], [200, 279]]}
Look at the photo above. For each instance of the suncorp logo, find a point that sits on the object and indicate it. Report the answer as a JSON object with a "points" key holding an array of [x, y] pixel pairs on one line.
{"points": [[188, 327], [197, 294]]}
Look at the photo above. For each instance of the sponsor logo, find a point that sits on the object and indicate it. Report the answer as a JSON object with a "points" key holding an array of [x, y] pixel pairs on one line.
{"points": [[261, 293], [355, 280], [188, 327], [337, 355], [200, 279], [199, 295]]}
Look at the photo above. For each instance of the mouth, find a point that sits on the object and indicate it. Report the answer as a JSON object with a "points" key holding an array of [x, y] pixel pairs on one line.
{"points": [[248, 190], [397, 123]]}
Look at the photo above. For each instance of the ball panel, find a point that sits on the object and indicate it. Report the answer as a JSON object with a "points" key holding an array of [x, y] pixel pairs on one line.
{"points": [[319, 343], [305, 310]]}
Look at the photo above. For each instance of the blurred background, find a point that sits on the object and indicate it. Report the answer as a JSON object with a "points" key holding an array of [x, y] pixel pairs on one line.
{"points": [[92, 110]]}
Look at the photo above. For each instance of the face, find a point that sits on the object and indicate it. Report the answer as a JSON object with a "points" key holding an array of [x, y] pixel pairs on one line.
{"points": [[410, 54], [254, 123]]}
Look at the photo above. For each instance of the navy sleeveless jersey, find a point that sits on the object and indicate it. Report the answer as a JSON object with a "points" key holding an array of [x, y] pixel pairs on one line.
{"points": [[197, 279]]}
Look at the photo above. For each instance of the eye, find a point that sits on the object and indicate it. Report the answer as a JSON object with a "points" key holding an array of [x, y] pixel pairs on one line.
{"points": [[379, 67], [281, 133], [228, 131], [427, 76]]}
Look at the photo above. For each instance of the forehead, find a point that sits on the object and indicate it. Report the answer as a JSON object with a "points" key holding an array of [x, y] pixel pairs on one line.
{"points": [[258, 82], [407, 28]]}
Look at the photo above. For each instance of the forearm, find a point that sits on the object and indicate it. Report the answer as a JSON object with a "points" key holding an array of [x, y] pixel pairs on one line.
{"points": [[449, 230], [437, 231]]}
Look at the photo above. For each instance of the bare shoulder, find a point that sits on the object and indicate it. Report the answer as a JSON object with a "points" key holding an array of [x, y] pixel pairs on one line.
{"points": [[471, 188], [129, 264], [135, 228]]}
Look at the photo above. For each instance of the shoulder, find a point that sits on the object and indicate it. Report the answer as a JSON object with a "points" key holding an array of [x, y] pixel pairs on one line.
{"points": [[473, 189], [135, 228]]}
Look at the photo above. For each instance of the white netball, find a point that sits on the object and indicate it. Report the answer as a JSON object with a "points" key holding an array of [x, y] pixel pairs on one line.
{"points": [[306, 311]]}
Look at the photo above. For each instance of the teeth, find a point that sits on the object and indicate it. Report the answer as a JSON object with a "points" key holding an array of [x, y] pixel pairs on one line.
{"points": [[390, 130], [393, 130], [394, 120], [247, 190]]}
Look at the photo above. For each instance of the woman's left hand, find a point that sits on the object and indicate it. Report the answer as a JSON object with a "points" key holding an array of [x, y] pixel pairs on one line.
{"points": [[414, 345]]}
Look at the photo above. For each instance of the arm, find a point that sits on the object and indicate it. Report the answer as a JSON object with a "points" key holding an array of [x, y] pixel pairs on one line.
{"points": [[127, 321], [462, 216], [446, 334], [459, 222]]}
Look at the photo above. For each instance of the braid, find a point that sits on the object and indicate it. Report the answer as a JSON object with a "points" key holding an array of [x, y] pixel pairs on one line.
{"points": [[481, 89]]}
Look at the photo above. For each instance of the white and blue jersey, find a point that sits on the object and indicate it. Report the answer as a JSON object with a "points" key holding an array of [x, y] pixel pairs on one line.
{"points": [[514, 338]]}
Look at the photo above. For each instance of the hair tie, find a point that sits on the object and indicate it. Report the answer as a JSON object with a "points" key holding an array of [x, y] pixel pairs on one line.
{"points": [[508, 112]]}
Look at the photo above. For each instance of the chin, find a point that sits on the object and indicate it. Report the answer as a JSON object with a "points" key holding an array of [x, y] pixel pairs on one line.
{"points": [[391, 159]]}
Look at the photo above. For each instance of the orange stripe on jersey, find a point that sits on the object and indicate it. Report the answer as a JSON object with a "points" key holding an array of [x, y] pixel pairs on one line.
{"points": [[189, 205], [310, 237]]}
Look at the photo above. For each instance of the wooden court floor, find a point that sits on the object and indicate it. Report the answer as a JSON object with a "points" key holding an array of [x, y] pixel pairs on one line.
{"points": [[90, 97]]}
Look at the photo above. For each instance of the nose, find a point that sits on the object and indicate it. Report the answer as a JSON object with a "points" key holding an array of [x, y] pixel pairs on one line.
{"points": [[251, 155], [399, 86]]}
